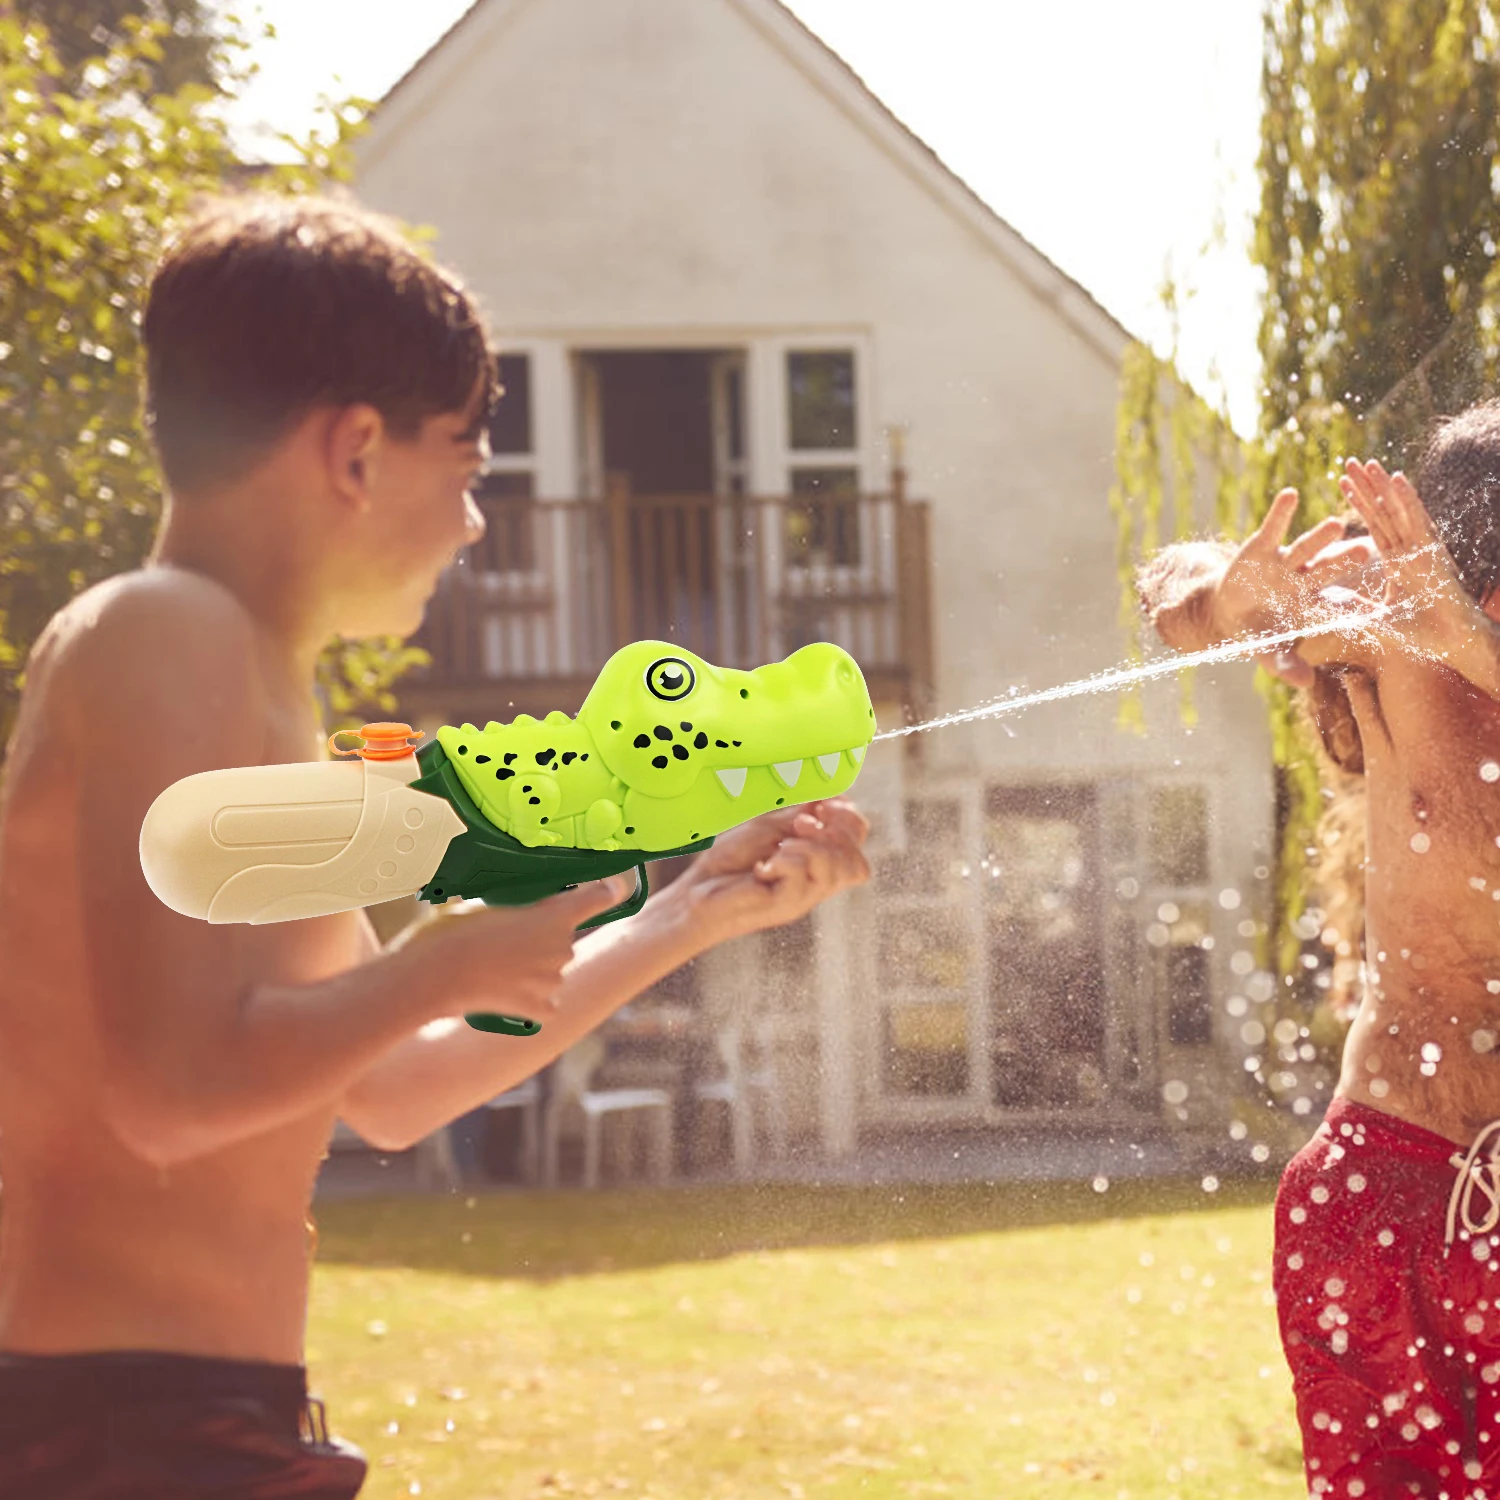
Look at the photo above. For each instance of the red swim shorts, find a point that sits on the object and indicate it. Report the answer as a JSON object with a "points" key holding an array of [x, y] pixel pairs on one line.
{"points": [[1388, 1292]]}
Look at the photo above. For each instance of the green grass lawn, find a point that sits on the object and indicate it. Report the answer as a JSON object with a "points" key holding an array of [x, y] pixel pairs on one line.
{"points": [[1005, 1342]]}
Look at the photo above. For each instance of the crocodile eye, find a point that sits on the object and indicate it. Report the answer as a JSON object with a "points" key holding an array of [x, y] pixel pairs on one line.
{"points": [[670, 678]]}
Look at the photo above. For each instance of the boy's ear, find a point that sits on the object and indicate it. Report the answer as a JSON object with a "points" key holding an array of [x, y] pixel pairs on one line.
{"points": [[355, 438]]}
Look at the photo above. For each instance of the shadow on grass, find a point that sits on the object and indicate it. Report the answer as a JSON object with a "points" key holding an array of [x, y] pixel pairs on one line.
{"points": [[542, 1236]]}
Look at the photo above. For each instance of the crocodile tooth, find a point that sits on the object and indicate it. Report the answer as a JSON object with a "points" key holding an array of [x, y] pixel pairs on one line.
{"points": [[829, 764], [789, 771], [857, 755], [733, 781]]}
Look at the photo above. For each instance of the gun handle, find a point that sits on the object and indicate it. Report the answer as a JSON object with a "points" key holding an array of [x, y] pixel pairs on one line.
{"points": [[492, 1021]]}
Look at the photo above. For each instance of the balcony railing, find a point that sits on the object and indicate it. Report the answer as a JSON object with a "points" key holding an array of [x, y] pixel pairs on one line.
{"points": [[537, 606]]}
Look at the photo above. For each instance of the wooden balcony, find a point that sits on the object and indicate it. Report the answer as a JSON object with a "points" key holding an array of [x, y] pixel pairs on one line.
{"points": [[527, 617]]}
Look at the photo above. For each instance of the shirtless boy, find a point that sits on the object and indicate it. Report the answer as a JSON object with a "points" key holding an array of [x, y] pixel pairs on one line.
{"points": [[1388, 1223], [317, 393]]}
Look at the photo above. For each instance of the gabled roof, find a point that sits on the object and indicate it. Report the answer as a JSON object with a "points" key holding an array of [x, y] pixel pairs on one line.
{"points": [[826, 70]]}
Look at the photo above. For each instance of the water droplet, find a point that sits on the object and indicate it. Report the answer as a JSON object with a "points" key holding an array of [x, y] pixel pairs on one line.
{"points": [[1168, 912], [1490, 771], [1101, 1184], [1260, 1153], [1175, 1091], [1229, 899], [1210, 1184], [1431, 1052], [1420, 843]]}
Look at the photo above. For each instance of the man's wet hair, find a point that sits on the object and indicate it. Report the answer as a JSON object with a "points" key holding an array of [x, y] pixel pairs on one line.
{"points": [[1458, 478], [265, 308]]}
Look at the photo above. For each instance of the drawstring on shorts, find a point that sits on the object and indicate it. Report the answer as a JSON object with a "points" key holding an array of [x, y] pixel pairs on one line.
{"points": [[1475, 1174]]}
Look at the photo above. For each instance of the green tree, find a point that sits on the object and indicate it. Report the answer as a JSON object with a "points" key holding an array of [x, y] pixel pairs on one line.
{"points": [[94, 171], [82, 30], [1377, 234]]}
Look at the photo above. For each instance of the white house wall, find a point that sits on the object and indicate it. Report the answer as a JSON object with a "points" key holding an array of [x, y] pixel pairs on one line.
{"points": [[700, 172]]}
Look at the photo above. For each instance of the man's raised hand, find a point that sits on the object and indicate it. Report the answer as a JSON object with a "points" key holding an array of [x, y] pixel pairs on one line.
{"points": [[1266, 586], [1427, 602]]}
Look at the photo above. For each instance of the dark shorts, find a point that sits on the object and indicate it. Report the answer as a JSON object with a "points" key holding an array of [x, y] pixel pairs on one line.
{"points": [[127, 1426], [1390, 1311]]}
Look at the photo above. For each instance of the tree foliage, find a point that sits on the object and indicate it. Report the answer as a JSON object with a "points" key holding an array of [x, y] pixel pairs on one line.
{"points": [[93, 172], [1377, 233], [80, 30]]}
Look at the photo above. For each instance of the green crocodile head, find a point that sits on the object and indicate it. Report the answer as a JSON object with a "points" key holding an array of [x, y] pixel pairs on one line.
{"points": [[701, 748], [668, 750]]}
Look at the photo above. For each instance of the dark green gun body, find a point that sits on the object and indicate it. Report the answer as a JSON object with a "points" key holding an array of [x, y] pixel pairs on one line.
{"points": [[488, 864]]}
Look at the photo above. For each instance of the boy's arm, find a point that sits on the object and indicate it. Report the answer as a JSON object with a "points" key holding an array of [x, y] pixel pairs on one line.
{"points": [[205, 1034], [764, 874]]}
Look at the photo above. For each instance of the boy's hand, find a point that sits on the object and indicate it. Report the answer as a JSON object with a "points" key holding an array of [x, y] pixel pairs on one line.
{"points": [[776, 868], [1428, 603], [510, 958]]}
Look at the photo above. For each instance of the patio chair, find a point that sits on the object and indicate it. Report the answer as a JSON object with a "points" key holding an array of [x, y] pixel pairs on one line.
{"points": [[739, 1088], [526, 1097], [432, 1157], [570, 1091]]}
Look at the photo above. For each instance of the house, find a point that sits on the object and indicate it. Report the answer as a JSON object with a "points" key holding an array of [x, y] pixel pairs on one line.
{"points": [[748, 320]]}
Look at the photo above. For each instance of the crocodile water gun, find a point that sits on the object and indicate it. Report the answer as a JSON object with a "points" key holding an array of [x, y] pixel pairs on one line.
{"points": [[666, 752]]}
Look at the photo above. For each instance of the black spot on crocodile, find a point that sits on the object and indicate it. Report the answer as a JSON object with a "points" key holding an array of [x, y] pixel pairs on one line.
{"points": [[680, 751], [463, 749], [643, 742], [701, 742], [525, 788], [481, 760], [545, 757], [510, 755], [614, 723], [534, 801], [686, 727], [583, 757], [630, 830], [569, 756], [543, 819], [736, 744], [662, 732], [722, 744], [660, 762], [501, 774]]}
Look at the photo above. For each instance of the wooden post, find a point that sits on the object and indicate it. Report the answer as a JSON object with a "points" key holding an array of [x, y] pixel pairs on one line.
{"points": [[617, 499]]}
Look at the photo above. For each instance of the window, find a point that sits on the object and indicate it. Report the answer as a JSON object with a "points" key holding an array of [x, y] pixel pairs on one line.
{"points": [[1177, 842], [1180, 913], [510, 422], [822, 520], [822, 517], [820, 395], [505, 490], [1186, 979]]}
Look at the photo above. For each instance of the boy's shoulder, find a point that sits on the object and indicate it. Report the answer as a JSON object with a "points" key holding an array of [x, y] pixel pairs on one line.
{"points": [[158, 641]]}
